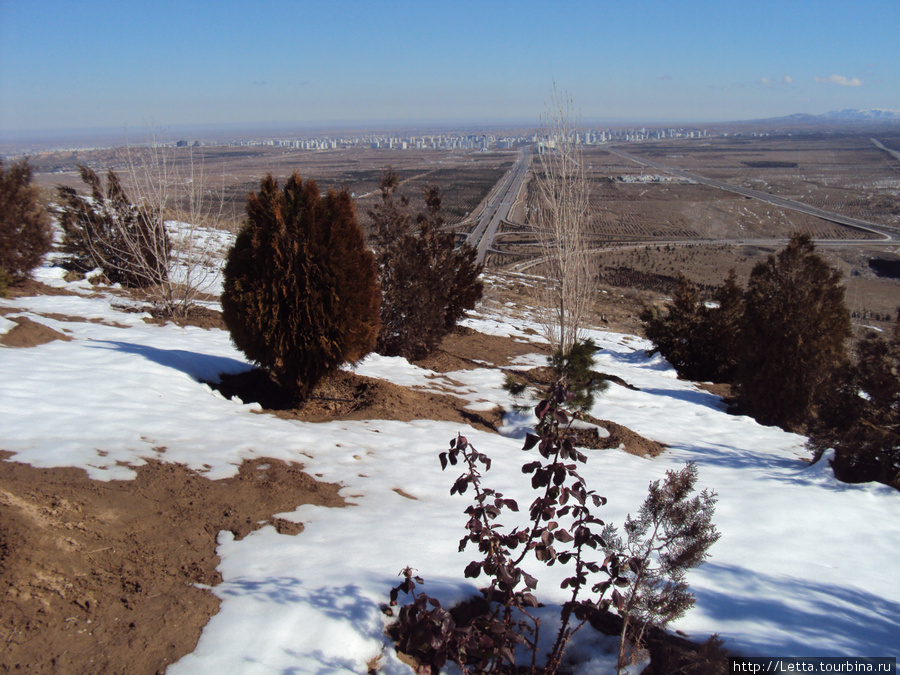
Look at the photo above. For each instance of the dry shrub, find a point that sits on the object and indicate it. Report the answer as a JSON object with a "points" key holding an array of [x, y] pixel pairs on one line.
{"points": [[105, 229], [300, 291], [427, 283]]}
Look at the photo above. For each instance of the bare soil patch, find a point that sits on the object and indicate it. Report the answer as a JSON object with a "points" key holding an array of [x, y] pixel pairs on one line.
{"points": [[101, 577], [464, 349], [631, 442], [56, 316], [30, 333], [348, 396], [197, 315], [29, 287]]}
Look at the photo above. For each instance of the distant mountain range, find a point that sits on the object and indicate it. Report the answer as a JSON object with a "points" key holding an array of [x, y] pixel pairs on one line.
{"points": [[877, 115]]}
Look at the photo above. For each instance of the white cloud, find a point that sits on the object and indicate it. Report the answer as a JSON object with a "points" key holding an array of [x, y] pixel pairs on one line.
{"points": [[786, 81], [841, 80]]}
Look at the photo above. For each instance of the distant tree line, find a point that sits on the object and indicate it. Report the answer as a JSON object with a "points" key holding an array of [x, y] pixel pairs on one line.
{"points": [[782, 342]]}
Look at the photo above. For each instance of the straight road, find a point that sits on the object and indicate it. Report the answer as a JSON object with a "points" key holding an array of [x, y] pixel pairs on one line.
{"points": [[887, 233], [880, 146], [499, 202]]}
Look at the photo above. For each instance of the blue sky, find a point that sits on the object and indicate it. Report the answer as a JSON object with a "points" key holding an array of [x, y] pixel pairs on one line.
{"points": [[118, 64]]}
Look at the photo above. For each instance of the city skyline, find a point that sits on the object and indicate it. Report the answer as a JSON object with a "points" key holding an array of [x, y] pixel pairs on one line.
{"points": [[102, 64]]}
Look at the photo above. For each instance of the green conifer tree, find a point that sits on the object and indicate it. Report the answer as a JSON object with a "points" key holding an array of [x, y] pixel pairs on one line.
{"points": [[793, 335], [860, 417], [25, 234]]}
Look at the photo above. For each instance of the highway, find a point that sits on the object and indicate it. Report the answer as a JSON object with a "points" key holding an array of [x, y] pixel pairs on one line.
{"points": [[886, 232], [880, 146], [499, 202]]}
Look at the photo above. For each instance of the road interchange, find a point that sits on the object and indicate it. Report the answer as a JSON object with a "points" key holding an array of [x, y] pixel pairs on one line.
{"points": [[497, 207]]}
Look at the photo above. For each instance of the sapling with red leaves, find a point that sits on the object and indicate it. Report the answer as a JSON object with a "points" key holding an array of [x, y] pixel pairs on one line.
{"points": [[645, 574], [562, 528]]}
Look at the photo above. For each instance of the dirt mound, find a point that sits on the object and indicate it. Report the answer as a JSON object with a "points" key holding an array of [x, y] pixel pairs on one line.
{"points": [[27, 288], [30, 334], [619, 437], [631, 441], [348, 396], [197, 315], [465, 348], [100, 577]]}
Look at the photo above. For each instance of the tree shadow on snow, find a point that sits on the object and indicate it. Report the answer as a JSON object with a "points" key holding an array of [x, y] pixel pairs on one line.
{"points": [[639, 358], [787, 468], [700, 398], [345, 603], [796, 616], [201, 367], [776, 467]]}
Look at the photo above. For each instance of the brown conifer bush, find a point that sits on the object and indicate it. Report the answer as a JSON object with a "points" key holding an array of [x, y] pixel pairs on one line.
{"points": [[725, 327], [25, 234], [427, 283], [300, 291]]}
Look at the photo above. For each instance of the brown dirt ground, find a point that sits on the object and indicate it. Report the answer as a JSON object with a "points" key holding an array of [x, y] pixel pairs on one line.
{"points": [[631, 442], [202, 317], [30, 333], [465, 349], [100, 577], [347, 396], [29, 287]]}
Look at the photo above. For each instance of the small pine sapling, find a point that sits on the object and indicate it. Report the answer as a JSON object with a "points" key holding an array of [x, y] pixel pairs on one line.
{"points": [[671, 535], [572, 369], [575, 370]]}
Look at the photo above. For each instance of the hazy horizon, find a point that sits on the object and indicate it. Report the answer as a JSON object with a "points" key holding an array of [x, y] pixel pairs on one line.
{"points": [[139, 132], [101, 66]]}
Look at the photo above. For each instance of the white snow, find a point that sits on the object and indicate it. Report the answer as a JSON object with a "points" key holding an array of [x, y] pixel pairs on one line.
{"points": [[6, 325], [806, 566]]}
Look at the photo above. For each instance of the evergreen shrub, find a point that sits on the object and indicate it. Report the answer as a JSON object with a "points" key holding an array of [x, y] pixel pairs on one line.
{"points": [[300, 291], [427, 282], [25, 232], [105, 229], [793, 336]]}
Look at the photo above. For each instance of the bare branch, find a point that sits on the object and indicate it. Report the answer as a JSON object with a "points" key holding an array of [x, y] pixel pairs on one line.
{"points": [[561, 223]]}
